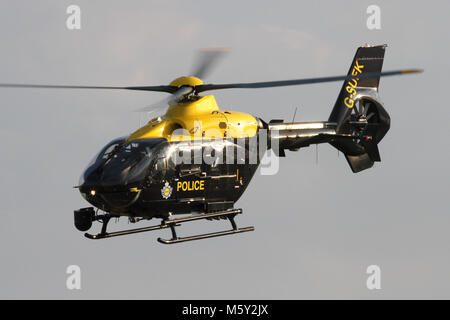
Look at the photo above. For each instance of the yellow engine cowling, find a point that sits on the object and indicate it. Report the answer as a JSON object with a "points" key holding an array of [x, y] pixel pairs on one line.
{"points": [[200, 119]]}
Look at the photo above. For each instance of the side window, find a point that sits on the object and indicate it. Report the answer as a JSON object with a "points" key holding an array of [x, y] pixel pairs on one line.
{"points": [[162, 166], [159, 169]]}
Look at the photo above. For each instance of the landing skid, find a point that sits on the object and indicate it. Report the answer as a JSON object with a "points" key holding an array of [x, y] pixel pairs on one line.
{"points": [[172, 223]]}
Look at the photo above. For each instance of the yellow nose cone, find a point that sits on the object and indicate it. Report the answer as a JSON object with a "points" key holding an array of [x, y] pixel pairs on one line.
{"points": [[186, 81]]}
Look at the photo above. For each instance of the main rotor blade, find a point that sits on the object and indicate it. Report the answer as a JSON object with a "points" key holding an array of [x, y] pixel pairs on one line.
{"points": [[168, 89], [207, 87], [206, 60], [283, 83], [167, 101]]}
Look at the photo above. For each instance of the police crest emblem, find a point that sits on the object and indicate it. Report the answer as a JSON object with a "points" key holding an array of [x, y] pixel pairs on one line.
{"points": [[166, 191]]}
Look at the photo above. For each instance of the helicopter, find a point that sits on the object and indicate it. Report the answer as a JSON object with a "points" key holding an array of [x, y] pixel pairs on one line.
{"points": [[196, 160]]}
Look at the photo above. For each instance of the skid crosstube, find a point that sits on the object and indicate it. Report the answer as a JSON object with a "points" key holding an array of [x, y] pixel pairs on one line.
{"points": [[172, 223]]}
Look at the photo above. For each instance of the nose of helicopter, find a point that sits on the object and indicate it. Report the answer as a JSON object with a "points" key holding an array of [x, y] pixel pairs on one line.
{"points": [[114, 198], [106, 188], [115, 178]]}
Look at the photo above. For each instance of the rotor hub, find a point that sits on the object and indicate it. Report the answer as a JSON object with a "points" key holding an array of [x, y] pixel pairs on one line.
{"points": [[186, 81]]}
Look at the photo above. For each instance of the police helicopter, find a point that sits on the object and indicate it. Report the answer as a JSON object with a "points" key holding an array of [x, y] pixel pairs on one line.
{"points": [[196, 160]]}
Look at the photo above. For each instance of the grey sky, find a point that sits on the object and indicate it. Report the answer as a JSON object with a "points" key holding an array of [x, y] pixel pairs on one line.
{"points": [[318, 227]]}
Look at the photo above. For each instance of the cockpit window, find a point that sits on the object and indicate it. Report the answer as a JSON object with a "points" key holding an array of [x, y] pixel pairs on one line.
{"points": [[128, 163], [122, 163], [106, 150], [100, 157], [109, 150]]}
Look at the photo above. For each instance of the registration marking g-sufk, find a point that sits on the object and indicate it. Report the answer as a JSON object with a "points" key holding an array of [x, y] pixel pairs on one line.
{"points": [[351, 84]]}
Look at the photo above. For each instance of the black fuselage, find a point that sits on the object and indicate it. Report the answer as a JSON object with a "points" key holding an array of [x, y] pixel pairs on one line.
{"points": [[156, 178]]}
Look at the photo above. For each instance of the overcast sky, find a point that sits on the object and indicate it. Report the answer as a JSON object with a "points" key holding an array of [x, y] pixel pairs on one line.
{"points": [[318, 226]]}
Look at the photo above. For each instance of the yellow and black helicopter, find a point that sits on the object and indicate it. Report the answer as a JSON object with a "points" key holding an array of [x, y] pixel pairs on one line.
{"points": [[196, 160]]}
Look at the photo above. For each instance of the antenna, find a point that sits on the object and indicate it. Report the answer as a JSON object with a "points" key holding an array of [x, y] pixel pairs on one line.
{"points": [[295, 112], [317, 154]]}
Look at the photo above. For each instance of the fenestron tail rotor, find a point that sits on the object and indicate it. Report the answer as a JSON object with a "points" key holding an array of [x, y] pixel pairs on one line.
{"points": [[364, 121]]}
